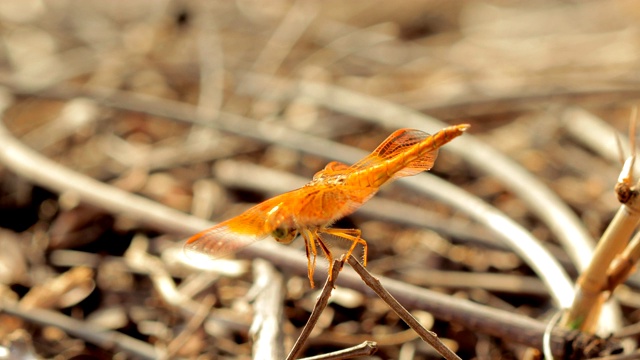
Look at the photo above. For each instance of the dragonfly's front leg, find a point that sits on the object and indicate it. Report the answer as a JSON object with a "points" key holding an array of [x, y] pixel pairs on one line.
{"points": [[326, 251], [352, 235]]}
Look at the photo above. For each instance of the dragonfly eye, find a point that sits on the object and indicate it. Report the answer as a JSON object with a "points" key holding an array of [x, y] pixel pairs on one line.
{"points": [[284, 235]]}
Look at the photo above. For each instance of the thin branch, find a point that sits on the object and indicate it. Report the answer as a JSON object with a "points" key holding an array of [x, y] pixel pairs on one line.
{"points": [[211, 58], [290, 29], [365, 349], [593, 132], [428, 336], [318, 308], [341, 338]]}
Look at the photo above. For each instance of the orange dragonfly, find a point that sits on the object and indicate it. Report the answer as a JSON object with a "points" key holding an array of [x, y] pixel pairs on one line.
{"points": [[335, 192]]}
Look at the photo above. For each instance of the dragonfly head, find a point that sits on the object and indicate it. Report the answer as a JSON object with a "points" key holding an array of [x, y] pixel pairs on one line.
{"points": [[284, 235]]}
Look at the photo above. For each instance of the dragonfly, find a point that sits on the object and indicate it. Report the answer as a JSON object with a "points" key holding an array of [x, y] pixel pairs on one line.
{"points": [[334, 192]]}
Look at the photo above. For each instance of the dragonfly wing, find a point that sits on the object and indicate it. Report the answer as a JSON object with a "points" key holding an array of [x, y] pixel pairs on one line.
{"points": [[220, 240], [396, 144], [321, 205], [355, 197], [229, 236]]}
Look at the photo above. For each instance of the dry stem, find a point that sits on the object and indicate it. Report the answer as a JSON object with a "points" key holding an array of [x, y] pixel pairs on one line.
{"points": [[364, 349], [321, 303], [426, 335]]}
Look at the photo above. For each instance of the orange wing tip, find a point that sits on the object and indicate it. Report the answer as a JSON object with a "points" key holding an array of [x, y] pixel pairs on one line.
{"points": [[195, 244], [193, 239]]}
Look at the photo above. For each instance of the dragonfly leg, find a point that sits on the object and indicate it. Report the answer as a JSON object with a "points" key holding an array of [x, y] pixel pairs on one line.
{"points": [[310, 247], [327, 253], [352, 235]]}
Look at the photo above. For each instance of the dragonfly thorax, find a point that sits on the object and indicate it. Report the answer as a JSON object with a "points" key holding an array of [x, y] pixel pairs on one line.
{"points": [[328, 179]]}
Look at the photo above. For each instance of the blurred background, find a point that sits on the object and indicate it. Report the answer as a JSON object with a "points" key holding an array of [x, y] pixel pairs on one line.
{"points": [[207, 107]]}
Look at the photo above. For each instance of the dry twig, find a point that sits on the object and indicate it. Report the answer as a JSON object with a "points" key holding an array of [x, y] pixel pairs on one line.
{"points": [[364, 349], [319, 306], [426, 335]]}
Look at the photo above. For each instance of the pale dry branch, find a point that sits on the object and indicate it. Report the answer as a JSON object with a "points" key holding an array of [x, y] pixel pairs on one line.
{"points": [[268, 302]]}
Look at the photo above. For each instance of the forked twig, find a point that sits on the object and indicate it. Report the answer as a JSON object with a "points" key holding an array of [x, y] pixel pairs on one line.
{"points": [[364, 349], [321, 303], [612, 258], [428, 336]]}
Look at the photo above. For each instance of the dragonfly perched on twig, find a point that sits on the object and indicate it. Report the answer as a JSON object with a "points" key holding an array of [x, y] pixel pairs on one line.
{"points": [[334, 192]]}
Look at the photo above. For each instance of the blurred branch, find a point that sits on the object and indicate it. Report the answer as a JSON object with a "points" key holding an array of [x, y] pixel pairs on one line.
{"points": [[34, 167], [296, 21], [194, 323], [211, 57], [595, 133], [480, 104], [110, 340], [631, 356], [268, 300]]}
